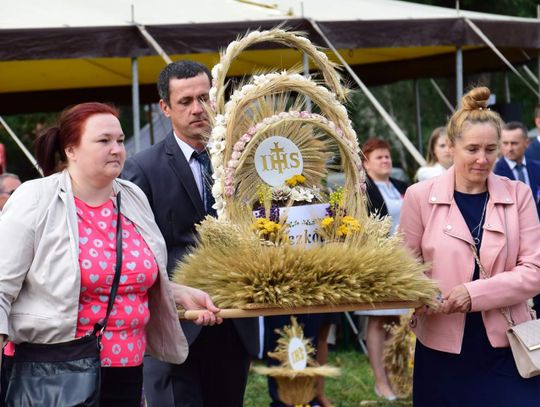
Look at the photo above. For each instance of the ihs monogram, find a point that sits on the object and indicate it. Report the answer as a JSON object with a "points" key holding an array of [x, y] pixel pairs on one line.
{"points": [[279, 160]]}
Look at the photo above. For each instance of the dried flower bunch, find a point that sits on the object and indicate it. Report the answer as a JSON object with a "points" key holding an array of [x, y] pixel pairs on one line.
{"points": [[246, 256]]}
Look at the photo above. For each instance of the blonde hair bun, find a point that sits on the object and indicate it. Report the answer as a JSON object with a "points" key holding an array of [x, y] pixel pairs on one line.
{"points": [[473, 110], [476, 99]]}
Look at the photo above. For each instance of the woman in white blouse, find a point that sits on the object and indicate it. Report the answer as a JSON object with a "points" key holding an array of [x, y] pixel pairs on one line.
{"points": [[439, 157]]}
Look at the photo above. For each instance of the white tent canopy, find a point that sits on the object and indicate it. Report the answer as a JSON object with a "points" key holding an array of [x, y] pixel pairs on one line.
{"points": [[102, 13]]}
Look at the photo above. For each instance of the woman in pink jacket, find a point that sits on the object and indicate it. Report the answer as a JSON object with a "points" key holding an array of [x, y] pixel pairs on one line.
{"points": [[462, 354]]}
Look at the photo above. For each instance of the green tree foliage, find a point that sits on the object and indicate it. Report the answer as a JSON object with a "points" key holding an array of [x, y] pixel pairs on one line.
{"points": [[399, 98], [518, 8]]}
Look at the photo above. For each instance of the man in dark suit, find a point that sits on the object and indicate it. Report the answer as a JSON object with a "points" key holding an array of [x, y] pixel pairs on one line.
{"points": [[533, 150], [175, 176], [513, 163]]}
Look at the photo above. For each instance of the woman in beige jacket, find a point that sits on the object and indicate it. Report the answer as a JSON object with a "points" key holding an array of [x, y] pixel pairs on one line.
{"points": [[42, 271]]}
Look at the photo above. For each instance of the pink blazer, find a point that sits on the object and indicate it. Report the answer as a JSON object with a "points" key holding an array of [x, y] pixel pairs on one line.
{"points": [[436, 232]]}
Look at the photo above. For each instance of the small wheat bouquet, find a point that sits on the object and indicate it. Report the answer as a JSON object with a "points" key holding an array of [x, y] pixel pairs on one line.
{"points": [[283, 238], [399, 357], [297, 373]]}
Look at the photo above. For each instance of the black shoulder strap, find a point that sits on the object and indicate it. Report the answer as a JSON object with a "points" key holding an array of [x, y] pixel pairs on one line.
{"points": [[99, 328]]}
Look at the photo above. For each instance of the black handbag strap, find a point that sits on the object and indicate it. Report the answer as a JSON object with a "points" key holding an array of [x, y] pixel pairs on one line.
{"points": [[99, 328]]}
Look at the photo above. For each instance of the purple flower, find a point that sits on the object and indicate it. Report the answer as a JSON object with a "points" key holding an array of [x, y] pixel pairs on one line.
{"points": [[274, 213]]}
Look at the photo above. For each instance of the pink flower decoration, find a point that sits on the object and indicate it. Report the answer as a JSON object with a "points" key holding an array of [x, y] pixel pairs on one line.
{"points": [[229, 190], [294, 113], [251, 131], [236, 155], [239, 146], [246, 137], [363, 187], [305, 115]]}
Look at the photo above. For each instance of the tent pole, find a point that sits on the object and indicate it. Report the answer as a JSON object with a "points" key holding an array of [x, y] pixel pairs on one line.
{"points": [[391, 123], [531, 75], [459, 76], [442, 95], [151, 123], [135, 103], [418, 115], [153, 43], [27, 153], [506, 88], [488, 42]]}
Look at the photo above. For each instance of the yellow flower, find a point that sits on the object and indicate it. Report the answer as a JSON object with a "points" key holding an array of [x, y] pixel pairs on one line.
{"points": [[265, 227], [336, 198], [295, 180], [327, 222], [264, 193], [291, 182], [342, 231], [352, 224], [272, 226]]}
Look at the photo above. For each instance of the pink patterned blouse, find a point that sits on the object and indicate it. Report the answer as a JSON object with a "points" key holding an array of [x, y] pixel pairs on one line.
{"points": [[124, 339]]}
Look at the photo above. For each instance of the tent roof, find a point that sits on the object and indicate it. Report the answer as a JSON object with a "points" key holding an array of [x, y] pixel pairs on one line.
{"points": [[73, 50], [18, 14]]}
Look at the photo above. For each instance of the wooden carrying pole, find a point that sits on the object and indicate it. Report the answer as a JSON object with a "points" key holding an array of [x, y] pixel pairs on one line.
{"points": [[257, 310]]}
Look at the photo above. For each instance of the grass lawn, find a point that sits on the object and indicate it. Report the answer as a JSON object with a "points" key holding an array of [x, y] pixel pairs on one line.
{"points": [[353, 388]]}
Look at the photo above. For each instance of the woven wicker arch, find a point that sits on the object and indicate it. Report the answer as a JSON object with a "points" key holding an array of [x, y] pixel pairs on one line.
{"points": [[277, 35]]}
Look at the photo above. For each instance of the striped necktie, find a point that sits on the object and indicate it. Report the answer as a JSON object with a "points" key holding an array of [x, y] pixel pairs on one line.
{"points": [[521, 174], [206, 172]]}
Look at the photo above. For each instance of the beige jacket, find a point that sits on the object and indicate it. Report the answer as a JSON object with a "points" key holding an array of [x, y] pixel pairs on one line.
{"points": [[39, 267]]}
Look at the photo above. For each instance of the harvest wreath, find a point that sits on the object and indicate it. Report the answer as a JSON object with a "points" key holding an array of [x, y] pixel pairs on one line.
{"points": [[284, 241]]}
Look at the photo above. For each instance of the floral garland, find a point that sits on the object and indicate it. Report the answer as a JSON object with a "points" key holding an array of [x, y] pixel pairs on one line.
{"points": [[224, 177]]}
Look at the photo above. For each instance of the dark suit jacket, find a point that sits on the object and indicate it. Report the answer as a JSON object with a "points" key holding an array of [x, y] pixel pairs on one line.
{"points": [[165, 176], [375, 199], [533, 150], [533, 170]]}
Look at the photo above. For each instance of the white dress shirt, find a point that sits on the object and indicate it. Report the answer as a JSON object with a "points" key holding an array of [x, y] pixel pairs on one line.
{"points": [[196, 167]]}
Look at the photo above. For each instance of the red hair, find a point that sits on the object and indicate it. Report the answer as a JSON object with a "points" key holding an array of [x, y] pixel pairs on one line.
{"points": [[373, 144], [51, 143]]}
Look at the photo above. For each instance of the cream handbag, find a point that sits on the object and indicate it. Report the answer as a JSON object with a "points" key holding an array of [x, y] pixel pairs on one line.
{"points": [[524, 339]]}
